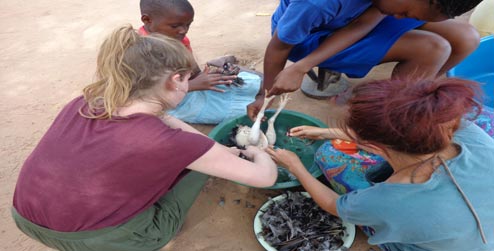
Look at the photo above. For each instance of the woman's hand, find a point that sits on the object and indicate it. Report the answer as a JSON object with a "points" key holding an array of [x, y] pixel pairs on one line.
{"points": [[251, 152], [285, 158], [207, 80], [308, 132], [234, 150]]}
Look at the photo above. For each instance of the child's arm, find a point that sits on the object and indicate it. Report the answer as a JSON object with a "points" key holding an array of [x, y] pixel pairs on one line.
{"points": [[278, 81], [290, 79], [320, 193], [275, 59]]}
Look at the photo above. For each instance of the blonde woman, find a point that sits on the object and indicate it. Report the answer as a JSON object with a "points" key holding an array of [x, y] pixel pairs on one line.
{"points": [[112, 173]]}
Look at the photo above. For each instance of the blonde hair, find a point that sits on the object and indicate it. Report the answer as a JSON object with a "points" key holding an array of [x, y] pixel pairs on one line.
{"points": [[128, 66]]}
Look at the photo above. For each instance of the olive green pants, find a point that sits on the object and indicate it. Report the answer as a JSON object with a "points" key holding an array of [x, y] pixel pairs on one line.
{"points": [[149, 230]]}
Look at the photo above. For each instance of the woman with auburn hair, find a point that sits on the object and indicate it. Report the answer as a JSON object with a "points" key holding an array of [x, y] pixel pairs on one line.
{"points": [[112, 173], [431, 189]]}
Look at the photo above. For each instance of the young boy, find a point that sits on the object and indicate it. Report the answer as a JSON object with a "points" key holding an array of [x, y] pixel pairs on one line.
{"points": [[212, 98], [352, 36]]}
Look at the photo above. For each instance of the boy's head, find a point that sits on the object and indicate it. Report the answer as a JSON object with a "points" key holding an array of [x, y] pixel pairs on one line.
{"points": [[454, 8], [168, 17], [426, 10]]}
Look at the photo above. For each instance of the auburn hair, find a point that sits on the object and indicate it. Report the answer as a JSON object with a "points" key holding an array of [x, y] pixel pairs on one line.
{"points": [[409, 115]]}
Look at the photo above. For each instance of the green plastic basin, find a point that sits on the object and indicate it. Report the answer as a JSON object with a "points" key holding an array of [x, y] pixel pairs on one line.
{"points": [[287, 119]]}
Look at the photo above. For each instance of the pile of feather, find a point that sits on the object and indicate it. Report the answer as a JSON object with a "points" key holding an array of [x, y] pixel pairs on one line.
{"points": [[298, 223]]}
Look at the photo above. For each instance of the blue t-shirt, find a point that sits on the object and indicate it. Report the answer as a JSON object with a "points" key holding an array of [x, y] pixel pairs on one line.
{"points": [[296, 19], [432, 215]]}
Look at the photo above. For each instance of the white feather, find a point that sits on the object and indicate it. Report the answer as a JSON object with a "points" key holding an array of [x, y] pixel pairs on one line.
{"points": [[242, 136]]}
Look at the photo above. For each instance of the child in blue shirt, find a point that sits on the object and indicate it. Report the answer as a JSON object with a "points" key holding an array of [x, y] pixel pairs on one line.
{"points": [[212, 98], [352, 36], [437, 195]]}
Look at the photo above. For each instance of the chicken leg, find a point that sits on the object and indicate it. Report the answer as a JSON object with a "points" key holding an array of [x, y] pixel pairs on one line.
{"points": [[255, 132], [271, 132]]}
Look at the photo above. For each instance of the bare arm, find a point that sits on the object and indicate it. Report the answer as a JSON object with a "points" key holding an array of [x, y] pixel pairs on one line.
{"points": [[219, 162], [275, 59], [334, 130], [320, 193], [223, 162], [179, 124], [318, 133], [290, 78]]}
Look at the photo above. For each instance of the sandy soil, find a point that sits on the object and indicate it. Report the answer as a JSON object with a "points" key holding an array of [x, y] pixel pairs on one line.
{"points": [[48, 51]]}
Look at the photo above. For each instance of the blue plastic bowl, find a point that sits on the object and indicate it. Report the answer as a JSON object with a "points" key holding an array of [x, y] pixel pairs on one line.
{"points": [[286, 120], [479, 66]]}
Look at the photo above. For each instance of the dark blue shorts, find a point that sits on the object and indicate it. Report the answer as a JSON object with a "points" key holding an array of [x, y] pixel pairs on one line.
{"points": [[358, 59]]}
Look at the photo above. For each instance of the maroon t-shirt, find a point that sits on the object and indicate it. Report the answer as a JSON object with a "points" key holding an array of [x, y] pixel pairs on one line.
{"points": [[87, 174]]}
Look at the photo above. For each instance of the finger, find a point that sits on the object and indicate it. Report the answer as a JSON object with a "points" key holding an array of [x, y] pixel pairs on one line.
{"points": [[218, 78], [214, 76], [251, 114], [269, 150], [274, 91], [296, 131], [253, 110], [206, 69], [228, 77], [273, 150], [300, 135], [220, 82], [271, 92], [272, 153], [216, 89], [234, 149], [297, 134]]}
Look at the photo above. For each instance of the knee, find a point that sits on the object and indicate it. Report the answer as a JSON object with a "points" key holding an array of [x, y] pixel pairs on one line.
{"points": [[467, 41], [435, 48]]}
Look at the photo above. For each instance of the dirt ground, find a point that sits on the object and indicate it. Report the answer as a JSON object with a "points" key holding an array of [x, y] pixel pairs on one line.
{"points": [[48, 50]]}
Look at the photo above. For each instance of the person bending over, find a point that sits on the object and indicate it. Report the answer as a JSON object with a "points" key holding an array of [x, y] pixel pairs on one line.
{"points": [[433, 190], [353, 36], [112, 172]]}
